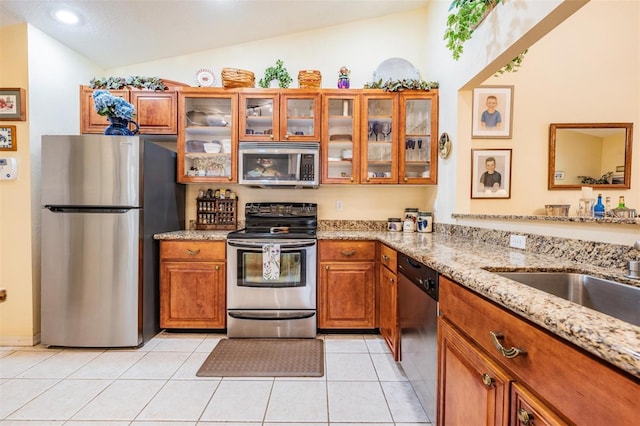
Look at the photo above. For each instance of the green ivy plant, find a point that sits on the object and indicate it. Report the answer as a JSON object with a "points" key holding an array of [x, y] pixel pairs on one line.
{"points": [[464, 18], [116, 83], [400, 85], [279, 72]]}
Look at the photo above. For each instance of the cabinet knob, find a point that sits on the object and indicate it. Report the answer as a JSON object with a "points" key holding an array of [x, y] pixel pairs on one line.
{"points": [[405, 179], [391, 280], [192, 252], [326, 267], [217, 267], [286, 136], [351, 179], [487, 380], [229, 178], [512, 352], [368, 179], [524, 417], [385, 258]]}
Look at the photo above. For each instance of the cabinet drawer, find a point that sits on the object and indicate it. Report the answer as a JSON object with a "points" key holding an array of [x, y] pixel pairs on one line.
{"points": [[347, 250], [192, 250], [389, 258], [576, 383]]}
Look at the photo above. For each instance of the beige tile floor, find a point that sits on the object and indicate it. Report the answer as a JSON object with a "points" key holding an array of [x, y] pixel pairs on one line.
{"points": [[156, 385]]}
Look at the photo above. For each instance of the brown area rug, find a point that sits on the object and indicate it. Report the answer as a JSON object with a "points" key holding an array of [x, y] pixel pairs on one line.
{"points": [[265, 357]]}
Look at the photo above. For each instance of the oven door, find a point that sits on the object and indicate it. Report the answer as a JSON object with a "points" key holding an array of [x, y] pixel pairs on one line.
{"points": [[294, 287]]}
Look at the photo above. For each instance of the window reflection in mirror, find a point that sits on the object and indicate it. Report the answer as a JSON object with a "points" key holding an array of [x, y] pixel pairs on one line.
{"points": [[590, 154]]}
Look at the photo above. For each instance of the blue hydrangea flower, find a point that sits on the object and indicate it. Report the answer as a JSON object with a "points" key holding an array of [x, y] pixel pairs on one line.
{"points": [[112, 106]]}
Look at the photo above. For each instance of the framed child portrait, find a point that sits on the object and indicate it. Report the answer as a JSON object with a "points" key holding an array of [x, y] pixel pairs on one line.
{"points": [[492, 112], [490, 173]]}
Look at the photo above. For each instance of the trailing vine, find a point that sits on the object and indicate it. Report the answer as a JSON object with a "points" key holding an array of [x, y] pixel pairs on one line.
{"points": [[464, 18], [279, 72]]}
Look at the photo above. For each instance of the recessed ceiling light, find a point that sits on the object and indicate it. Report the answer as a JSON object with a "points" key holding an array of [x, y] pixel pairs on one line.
{"points": [[66, 16]]}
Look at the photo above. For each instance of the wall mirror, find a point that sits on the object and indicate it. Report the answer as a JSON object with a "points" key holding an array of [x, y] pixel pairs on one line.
{"points": [[590, 154]]}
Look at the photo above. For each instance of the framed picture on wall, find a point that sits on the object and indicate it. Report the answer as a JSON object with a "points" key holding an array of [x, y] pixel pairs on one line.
{"points": [[490, 173], [492, 112], [12, 104]]}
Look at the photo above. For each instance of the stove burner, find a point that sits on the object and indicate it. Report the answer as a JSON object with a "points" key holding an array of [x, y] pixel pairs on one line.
{"points": [[279, 220]]}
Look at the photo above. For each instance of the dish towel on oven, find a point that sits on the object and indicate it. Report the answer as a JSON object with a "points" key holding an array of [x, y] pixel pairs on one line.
{"points": [[270, 261]]}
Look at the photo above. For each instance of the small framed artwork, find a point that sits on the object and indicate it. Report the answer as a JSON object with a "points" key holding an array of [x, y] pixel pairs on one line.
{"points": [[558, 175], [492, 112], [8, 140], [12, 104], [490, 173]]}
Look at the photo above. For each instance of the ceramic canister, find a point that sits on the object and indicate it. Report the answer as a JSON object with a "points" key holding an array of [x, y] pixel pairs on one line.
{"points": [[425, 222]]}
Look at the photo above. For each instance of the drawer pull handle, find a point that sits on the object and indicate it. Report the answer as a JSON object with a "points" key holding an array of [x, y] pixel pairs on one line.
{"points": [[385, 258], [496, 338], [192, 252], [348, 252], [487, 380], [524, 417]]}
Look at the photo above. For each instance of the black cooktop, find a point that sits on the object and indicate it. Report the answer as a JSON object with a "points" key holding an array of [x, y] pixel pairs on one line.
{"points": [[279, 221]]}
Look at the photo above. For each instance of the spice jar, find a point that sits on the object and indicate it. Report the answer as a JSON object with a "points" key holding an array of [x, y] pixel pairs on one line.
{"points": [[394, 224], [425, 222]]}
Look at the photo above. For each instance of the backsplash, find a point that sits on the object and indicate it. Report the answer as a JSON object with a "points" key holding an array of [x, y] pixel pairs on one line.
{"points": [[594, 253]]}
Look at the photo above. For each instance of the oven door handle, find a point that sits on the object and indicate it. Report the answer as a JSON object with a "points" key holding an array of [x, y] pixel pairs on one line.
{"points": [[259, 244], [275, 317]]}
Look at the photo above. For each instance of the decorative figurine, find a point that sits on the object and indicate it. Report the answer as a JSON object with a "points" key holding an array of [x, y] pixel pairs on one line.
{"points": [[343, 78]]}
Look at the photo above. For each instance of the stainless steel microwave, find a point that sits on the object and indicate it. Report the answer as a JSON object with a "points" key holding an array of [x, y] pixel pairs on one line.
{"points": [[279, 164]]}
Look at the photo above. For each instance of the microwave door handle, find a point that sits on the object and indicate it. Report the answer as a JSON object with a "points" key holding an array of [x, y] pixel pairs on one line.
{"points": [[299, 163]]}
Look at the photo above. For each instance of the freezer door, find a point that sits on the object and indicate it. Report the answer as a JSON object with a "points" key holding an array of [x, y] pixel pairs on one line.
{"points": [[90, 278], [91, 170]]}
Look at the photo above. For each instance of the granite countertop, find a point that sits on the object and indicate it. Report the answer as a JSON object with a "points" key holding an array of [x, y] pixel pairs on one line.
{"points": [[465, 261]]}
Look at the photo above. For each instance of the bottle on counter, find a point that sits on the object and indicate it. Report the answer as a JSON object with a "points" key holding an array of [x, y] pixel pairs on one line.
{"points": [[599, 208], [621, 202]]}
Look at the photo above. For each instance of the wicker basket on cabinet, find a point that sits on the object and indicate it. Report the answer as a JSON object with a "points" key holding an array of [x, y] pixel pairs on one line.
{"points": [[309, 79], [235, 77]]}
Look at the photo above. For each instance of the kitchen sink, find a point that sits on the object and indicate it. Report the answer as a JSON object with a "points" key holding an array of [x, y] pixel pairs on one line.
{"points": [[609, 297]]}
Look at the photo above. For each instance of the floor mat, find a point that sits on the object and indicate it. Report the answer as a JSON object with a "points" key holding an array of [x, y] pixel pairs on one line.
{"points": [[265, 357]]}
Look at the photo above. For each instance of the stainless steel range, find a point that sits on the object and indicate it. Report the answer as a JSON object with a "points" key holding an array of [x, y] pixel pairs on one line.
{"points": [[271, 278]]}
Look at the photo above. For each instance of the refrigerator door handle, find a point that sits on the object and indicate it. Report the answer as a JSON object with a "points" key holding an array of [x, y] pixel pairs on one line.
{"points": [[65, 209]]}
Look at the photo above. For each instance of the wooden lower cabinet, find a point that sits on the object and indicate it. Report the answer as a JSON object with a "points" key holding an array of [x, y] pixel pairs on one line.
{"points": [[551, 382], [388, 322], [346, 285], [192, 284]]}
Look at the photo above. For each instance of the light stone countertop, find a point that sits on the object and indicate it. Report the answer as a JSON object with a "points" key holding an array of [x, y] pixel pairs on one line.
{"points": [[465, 261]]}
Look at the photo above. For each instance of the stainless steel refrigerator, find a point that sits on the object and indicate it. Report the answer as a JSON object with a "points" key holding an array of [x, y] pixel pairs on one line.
{"points": [[103, 198]]}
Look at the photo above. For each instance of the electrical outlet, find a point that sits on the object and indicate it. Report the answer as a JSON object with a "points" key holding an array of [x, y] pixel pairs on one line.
{"points": [[339, 205], [518, 241]]}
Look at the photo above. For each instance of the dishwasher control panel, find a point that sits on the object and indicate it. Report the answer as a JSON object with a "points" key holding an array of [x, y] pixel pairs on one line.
{"points": [[424, 277]]}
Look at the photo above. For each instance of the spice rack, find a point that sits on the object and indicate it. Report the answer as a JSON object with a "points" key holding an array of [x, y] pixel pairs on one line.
{"points": [[216, 213]]}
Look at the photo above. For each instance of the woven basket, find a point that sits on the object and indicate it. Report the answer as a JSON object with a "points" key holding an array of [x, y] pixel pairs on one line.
{"points": [[234, 77], [309, 79]]}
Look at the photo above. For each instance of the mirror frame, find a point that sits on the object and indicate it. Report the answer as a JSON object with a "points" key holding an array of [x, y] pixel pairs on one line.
{"points": [[627, 156]]}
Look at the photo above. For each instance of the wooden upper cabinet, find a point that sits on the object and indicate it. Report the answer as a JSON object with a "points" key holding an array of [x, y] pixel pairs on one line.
{"points": [[279, 115], [340, 136], [156, 110], [379, 137], [90, 121]]}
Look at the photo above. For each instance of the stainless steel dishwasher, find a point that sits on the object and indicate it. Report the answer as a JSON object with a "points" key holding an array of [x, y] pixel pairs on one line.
{"points": [[418, 309]]}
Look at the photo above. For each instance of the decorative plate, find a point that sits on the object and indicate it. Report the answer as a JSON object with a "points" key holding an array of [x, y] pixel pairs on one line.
{"points": [[395, 69], [205, 78]]}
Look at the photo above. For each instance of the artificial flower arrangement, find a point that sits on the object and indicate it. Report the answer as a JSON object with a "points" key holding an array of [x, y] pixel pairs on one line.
{"points": [[112, 106]]}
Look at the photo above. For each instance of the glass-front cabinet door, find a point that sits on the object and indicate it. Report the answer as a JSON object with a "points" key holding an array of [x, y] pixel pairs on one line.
{"points": [[340, 136], [379, 137], [207, 145], [418, 159], [259, 115], [299, 116]]}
